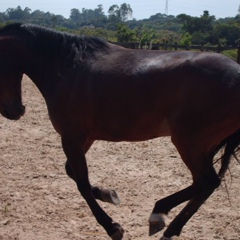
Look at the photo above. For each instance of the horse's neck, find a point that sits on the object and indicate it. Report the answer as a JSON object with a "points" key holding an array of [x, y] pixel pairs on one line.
{"points": [[40, 73], [44, 85]]}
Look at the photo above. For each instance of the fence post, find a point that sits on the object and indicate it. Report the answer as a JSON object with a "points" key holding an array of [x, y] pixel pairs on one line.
{"points": [[218, 50], [175, 46], [238, 54]]}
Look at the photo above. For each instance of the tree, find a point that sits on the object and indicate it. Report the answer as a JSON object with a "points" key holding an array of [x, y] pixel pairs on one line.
{"points": [[145, 36], [124, 33], [18, 13], [113, 17], [88, 17], [186, 39], [229, 32], [100, 32], [75, 15], [120, 14], [196, 24], [99, 17], [2, 18], [125, 12], [201, 28], [206, 22], [99, 11], [167, 36]]}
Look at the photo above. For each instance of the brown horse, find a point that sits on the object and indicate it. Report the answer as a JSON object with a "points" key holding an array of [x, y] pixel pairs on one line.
{"points": [[95, 90]]}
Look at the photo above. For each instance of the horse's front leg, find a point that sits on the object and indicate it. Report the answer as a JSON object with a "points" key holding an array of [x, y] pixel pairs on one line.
{"points": [[105, 195], [74, 150]]}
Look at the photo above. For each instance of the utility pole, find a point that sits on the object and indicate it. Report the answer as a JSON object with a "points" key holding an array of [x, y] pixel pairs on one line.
{"points": [[166, 7]]}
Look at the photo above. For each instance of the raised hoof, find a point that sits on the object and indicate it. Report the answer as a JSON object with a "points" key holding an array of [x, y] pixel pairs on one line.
{"points": [[156, 223], [110, 196], [118, 233]]}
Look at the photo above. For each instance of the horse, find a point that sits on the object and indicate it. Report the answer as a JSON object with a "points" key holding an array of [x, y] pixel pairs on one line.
{"points": [[95, 90]]}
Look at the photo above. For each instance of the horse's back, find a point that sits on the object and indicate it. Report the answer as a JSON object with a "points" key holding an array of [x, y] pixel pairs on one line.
{"points": [[144, 94]]}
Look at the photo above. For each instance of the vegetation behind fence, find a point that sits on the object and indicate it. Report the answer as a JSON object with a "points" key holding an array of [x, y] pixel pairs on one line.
{"points": [[175, 47]]}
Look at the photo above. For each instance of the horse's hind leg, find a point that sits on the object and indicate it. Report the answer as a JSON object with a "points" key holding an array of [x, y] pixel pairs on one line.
{"points": [[105, 195], [188, 211], [74, 150], [163, 206], [203, 190], [205, 180]]}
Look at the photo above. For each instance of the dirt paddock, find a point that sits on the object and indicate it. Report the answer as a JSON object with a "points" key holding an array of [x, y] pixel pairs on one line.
{"points": [[38, 201]]}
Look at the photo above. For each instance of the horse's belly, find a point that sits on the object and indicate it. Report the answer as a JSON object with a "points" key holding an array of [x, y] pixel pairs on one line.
{"points": [[135, 132]]}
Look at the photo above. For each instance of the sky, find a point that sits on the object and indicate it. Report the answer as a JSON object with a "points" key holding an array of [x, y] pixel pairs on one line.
{"points": [[141, 8]]}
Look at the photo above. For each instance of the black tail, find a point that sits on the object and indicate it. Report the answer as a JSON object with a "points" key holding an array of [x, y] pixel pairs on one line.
{"points": [[230, 147]]}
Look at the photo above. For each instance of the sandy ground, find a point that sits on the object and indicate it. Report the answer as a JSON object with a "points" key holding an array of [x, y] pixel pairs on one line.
{"points": [[38, 201]]}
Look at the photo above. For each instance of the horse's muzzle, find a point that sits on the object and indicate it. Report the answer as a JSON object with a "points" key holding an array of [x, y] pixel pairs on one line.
{"points": [[13, 113]]}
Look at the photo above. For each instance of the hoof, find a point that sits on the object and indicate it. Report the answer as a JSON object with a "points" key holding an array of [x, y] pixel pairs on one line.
{"points": [[110, 196], [156, 223], [166, 238], [118, 233]]}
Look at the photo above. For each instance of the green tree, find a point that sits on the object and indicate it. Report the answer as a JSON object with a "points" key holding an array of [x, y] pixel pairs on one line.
{"points": [[2, 17], [228, 31], [167, 36], [38, 16], [18, 14], [88, 31], [125, 34], [186, 39], [145, 36], [88, 17], [201, 28], [120, 14], [125, 12], [75, 15]]}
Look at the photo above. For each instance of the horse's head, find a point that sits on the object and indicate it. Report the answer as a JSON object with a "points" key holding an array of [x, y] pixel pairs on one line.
{"points": [[10, 73], [10, 94]]}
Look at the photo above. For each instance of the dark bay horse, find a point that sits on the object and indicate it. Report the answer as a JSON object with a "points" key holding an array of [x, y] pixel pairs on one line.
{"points": [[95, 90]]}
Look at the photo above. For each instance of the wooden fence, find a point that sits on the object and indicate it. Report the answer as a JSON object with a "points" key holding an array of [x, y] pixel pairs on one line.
{"points": [[175, 47]]}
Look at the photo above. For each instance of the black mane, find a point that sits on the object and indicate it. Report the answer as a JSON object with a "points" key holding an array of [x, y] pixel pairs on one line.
{"points": [[54, 45]]}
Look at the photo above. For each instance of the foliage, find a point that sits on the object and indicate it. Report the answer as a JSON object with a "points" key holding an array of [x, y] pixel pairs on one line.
{"points": [[200, 28], [186, 39], [125, 34], [118, 25], [231, 54], [145, 35], [120, 14], [228, 31], [88, 17]]}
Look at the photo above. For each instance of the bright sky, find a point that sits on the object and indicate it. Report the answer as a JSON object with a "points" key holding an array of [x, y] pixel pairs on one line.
{"points": [[141, 8]]}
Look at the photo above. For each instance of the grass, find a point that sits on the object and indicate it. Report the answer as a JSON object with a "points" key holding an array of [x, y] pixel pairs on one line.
{"points": [[231, 54]]}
